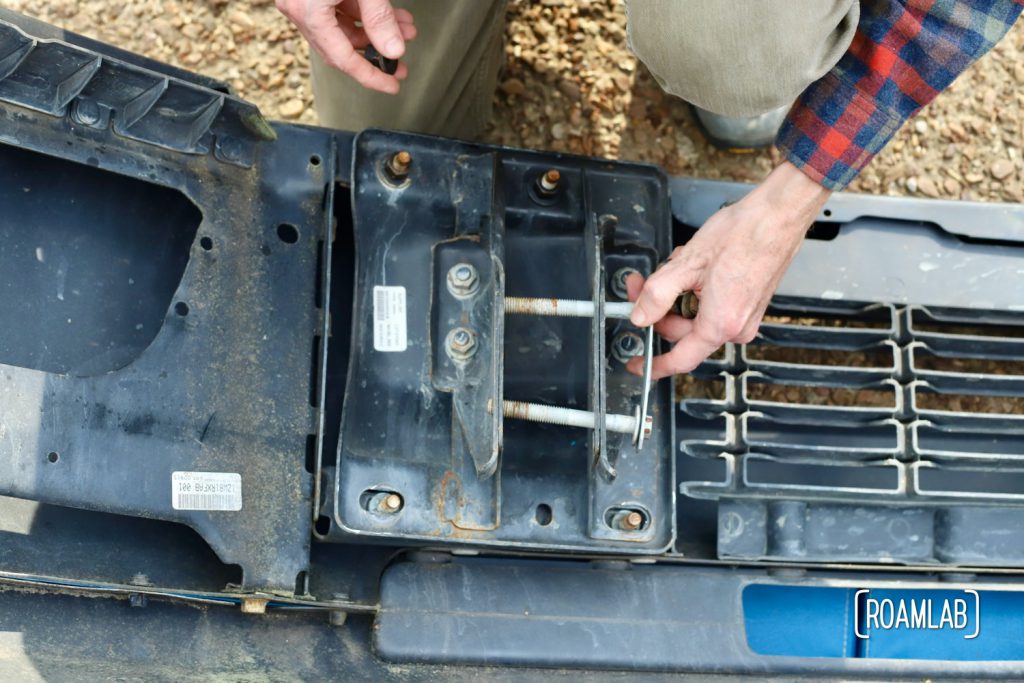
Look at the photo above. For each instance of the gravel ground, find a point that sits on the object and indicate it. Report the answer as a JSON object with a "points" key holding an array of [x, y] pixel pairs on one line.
{"points": [[571, 84]]}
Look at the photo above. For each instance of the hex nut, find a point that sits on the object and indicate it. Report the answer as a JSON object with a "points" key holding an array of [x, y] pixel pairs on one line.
{"points": [[461, 343], [627, 345], [618, 282], [463, 280]]}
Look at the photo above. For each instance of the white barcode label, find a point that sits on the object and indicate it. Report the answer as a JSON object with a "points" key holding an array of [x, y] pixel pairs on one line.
{"points": [[206, 491], [389, 333]]}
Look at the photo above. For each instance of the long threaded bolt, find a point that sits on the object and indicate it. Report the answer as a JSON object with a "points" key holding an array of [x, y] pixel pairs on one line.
{"points": [[568, 308], [687, 305], [569, 417]]}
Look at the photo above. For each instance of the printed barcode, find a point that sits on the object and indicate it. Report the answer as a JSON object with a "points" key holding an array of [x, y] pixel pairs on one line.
{"points": [[206, 491], [389, 324], [208, 501]]}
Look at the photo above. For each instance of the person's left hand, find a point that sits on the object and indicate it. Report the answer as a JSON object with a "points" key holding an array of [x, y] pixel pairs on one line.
{"points": [[733, 264], [336, 29]]}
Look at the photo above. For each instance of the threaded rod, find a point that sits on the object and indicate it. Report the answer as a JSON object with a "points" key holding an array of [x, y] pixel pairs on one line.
{"points": [[570, 417]]}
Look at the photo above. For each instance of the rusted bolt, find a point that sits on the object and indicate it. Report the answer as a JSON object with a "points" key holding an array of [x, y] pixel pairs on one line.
{"points": [[461, 343], [548, 183], [565, 308], [391, 503], [687, 305], [463, 280], [618, 283], [397, 167], [569, 417], [632, 520], [627, 345]]}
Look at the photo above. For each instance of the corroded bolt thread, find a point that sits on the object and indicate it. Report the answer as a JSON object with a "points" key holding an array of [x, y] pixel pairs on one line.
{"points": [[391, 503], [566, 308], [548, 182], [632, 521], [569, 417], [398, 165]]}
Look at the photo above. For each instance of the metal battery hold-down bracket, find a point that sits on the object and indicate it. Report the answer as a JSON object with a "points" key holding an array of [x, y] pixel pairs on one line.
{"points": [[445, 261]]}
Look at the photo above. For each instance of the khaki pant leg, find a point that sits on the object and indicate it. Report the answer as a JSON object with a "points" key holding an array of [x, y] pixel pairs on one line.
{"points": [[740, 58], [453, 71]]}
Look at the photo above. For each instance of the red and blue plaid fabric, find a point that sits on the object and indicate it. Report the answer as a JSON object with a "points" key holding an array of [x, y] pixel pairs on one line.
{"points": [[904, 53]]}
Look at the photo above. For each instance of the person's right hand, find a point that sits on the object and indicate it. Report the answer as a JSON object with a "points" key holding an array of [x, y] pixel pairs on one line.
{"points": [[331, 28]]}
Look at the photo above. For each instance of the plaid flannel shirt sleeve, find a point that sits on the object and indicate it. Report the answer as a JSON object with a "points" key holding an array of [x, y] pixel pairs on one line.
{"points": [[904, 53]]}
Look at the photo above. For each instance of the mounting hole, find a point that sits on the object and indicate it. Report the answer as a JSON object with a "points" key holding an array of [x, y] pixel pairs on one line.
{"points": [[828, 213], [288, 233], [181, 308], [206, 243], [323, 525], [314, 160], [543, 514], [53, 456]]}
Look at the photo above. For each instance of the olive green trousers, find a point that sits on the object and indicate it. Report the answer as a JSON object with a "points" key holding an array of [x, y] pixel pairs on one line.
{"points": [[733, 58]]}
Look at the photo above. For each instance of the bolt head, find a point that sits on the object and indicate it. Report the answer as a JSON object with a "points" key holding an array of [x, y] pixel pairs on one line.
{"points": [[627, 345], [463, 280], [461, 343], [392, 502], [618, 282]]}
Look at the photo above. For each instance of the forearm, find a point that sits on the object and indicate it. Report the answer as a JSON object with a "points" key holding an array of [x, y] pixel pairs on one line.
{"points": [[905, 52]]}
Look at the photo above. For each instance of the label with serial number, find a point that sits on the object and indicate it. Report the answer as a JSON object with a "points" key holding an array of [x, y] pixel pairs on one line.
{"points": [[206, 491], [389, 332]]}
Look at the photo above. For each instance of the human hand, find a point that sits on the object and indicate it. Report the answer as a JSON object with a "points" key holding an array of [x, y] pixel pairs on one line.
{"points": [[331, 29], [733, 264]]}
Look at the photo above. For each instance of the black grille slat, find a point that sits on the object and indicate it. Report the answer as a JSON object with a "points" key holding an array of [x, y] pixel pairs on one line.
{"points": [[865, 408]]}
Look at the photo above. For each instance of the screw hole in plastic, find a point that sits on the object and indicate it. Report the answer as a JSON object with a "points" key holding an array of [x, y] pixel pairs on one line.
{"points": [[288, 233]]}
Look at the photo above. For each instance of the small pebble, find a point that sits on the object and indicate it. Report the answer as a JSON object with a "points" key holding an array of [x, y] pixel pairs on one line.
{"points": [[928, 187], [1001, 168], [292, 109]]}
